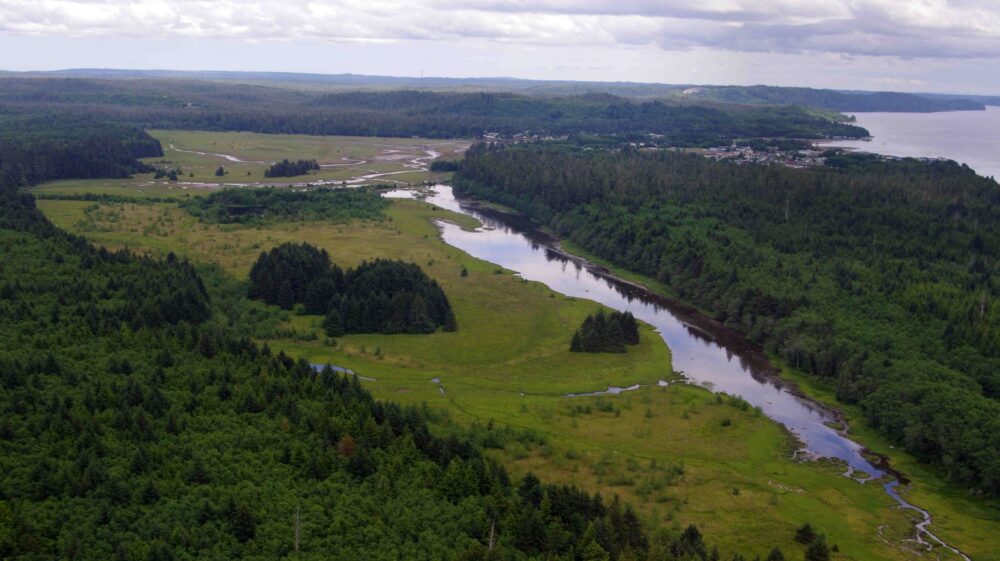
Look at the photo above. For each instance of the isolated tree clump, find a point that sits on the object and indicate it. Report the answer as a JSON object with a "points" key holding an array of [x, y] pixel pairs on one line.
{"points": [[381, 296], [285, 168], [602, 333]]}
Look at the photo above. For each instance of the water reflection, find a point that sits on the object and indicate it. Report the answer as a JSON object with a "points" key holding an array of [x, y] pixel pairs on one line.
{"points": [[705, 352]]}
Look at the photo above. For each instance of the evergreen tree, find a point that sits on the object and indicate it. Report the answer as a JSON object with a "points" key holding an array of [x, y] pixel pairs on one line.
{"points": [[630, 327], [333, 324], [614, 338], [805, 534], [818, 550], [286, 296]]}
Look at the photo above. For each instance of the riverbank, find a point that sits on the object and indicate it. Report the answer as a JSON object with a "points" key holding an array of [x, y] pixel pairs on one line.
{"points": [[955, 512], [680, 453]]}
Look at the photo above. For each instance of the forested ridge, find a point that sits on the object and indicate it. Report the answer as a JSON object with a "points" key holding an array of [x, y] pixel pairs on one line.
{"points": [[36, 149], [837, 100], [174, 436], [878, 276], [202, 105]]}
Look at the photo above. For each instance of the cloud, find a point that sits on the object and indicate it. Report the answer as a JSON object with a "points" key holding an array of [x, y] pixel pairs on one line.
{"points": [[896, 28]]}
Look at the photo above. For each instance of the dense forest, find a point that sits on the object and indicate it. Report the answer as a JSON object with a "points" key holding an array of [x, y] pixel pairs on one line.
{"points": [[895, 101], [878, 276], [836, 100], [186, 104], [36, 149], [605, 333], [139, 422], [285, 168], [380, 296], [236, 205]]}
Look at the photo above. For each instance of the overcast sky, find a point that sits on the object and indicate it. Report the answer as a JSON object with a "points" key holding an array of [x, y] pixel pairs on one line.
{"points": [[905, 45]]}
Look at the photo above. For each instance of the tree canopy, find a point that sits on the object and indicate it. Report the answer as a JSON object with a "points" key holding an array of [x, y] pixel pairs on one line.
{"points": [[880, 276], [380, 296]]}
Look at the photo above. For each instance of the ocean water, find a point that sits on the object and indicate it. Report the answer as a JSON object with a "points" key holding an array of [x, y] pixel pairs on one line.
{"points": [[968, 137]]}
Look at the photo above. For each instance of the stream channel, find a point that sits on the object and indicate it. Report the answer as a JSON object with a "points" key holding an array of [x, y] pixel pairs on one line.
{"points": [[706, 352]]}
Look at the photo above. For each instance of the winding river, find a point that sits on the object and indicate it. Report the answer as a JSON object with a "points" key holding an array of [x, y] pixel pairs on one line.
{"points": [[705, 352]]}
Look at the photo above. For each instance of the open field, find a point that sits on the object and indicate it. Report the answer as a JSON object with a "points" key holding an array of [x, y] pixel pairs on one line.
{"points": [[668, 450], [199, 154]]}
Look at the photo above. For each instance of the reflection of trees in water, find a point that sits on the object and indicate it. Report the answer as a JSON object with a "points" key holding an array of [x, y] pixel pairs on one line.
{"points": [[710, 334]]}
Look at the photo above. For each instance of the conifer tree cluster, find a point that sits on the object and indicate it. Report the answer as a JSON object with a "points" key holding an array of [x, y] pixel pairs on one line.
{"points": [[603, 333], [170, 174], [285, 168], [381, 296]]}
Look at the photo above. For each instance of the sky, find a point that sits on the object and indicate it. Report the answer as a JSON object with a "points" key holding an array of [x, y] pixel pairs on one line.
{"points": [[948, 46]]}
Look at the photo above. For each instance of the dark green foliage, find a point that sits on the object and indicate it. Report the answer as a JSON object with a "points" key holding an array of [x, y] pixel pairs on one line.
{"points": [[775, 555], [220, 171], [136, 443], [298, 271], [444, 165], [33, 150], [160, 173], [805, 534], [601, 333], [176, 437], [284, 168], [333, 324], [878, 276], [270, 203], [380, 296], [836, 100], [178, 104], [818, 550]]}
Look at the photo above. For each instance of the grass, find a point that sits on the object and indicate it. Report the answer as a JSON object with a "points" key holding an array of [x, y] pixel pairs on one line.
{"points": [[667, 450], [354, 157], [960, 519]]}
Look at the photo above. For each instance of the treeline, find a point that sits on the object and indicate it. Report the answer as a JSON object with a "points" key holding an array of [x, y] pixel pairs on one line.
{"points": [[247, 205], [108, 452], [444, 165], [880, 277], [837, 100], [285, 168], [181, 438], [603, 333], [186, 104], [379, 296], [49, 147]]}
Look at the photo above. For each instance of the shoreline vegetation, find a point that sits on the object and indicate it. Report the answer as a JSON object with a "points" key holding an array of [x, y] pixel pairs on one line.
{"points": [[108, 444], [582, 452]]}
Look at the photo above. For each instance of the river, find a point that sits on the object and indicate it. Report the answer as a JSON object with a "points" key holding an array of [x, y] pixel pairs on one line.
{"points": [[969, 137], [706, 352]]}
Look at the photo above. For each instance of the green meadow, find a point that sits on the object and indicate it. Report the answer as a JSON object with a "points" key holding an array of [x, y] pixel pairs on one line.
{"points": [[679, 453], [198, 155]]}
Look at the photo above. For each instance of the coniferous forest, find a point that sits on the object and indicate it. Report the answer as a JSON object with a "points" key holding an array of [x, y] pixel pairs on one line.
{"points": [[380, 296], [185, 104], [878, 276], [605, 333], [285, 168], [138, 421]]}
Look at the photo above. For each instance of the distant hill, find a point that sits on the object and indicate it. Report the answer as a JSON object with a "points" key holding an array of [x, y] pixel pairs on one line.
{"points": [[834, 100], [185, 103]]}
